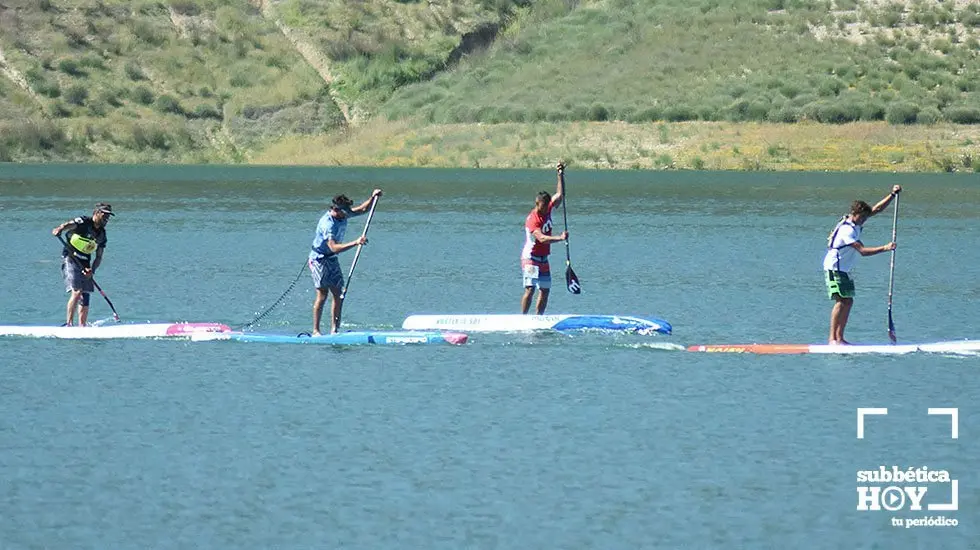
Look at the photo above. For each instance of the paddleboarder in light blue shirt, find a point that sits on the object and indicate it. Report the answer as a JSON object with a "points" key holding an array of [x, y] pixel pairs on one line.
{"points": [[843, 247], [323, 262]]}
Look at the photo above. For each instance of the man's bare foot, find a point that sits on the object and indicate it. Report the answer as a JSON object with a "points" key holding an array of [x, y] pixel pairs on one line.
{"points": [[315, 333], [839, 343]]}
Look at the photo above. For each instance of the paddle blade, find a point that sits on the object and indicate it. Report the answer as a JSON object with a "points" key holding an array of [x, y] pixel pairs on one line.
{"points": [[891, 328], [571, 281]]}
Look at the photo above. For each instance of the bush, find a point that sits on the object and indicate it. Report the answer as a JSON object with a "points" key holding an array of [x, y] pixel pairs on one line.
{"points": [[142, 95], [963, 115], [168, 104], [929, 115], [70, 67], [598, 113], [902, 112], [205, 110], [679, 113], [76, 95], [134, 72], [786, 114], [185, 7]]}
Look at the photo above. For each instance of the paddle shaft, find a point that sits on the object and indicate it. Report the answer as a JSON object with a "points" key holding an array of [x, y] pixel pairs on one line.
{"points": [[357, 254], [571, 279], [99, 288], [564, 217], [891, 273]]}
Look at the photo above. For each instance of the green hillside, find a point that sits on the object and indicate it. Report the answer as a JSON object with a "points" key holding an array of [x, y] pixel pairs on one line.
{"points": [[715, 84]]}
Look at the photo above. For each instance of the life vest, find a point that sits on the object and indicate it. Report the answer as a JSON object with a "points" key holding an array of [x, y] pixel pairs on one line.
{"points": [[833, 235], [82, 244]]}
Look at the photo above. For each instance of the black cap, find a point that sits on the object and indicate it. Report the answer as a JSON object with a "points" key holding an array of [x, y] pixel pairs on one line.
{"points": [[104, 208], [341, 202]]}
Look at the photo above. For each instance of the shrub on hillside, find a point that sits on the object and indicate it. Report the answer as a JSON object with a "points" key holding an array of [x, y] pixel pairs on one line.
{"points": [[70, 67], [168, 104], [142, 95], [185, 7], [902, 112], [76, 94], [963, 115], [929, 115], [134, 72]]}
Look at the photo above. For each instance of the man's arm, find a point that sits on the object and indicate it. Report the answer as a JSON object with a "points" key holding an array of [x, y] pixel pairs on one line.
{"points": [[872, 250], [98, 259], [337, 248], [364, 206], [883, 203], [63, 227], [542, 238], [558, 196]]}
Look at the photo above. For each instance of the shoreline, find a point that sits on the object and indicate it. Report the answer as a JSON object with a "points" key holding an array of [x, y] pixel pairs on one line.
{"points": [[697, 145]]}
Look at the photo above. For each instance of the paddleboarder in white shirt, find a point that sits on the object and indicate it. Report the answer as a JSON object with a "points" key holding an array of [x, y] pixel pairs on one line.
{"points": [[843, 247]]}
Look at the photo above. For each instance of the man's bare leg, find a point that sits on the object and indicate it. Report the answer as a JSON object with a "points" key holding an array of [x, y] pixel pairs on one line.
{"points": [[321, 297], [526, 299], [542, 301], [76, 295], [336, 308]]}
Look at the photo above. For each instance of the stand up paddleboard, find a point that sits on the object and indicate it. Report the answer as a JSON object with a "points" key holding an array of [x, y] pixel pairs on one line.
{"points": [[340, 339], [146, 330], [523, 323], [960, 346]]}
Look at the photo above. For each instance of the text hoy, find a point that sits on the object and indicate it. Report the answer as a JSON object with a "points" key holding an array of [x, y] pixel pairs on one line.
{"points": [[893, 498]]}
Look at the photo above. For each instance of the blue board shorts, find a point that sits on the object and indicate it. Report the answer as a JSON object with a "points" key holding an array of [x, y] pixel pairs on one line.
{"points": [[326, 273], [74, 279], [531, 272]]}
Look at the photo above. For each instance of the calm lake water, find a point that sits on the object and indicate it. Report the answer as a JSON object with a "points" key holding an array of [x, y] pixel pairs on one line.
{"points": [[512, 441]]}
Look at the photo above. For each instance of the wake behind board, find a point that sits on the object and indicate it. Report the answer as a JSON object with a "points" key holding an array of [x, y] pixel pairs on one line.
{"points": [[955, 346], [145, 330], [342, 338], [523, 323]]}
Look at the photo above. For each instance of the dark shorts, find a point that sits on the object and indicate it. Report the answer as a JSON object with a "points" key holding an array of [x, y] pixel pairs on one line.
{"points": [[326, 273], [839, 283], [74, 280]]}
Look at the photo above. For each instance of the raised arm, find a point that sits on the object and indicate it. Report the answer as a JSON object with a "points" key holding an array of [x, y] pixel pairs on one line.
{"points": [[559, 191], [883, 203], [364, 206]]}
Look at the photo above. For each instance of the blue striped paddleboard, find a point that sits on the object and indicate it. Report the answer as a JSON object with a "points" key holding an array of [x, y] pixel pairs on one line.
{"points": [[521, 323], [352, 338]]}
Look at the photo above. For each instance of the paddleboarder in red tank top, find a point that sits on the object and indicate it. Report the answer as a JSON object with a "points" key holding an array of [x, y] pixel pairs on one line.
{"points": [[535, 268]]}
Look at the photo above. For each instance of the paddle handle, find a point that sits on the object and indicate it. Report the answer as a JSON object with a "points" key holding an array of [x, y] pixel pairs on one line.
{"points": [[357, 254], [564, 211]]}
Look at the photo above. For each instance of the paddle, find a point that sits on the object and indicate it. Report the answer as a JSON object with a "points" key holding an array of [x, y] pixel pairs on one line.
{"points": [[99, 288], [891, 276], [571, 280], [367, 224]]}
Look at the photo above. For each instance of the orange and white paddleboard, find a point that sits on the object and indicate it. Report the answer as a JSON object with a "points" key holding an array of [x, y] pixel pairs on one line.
{"points": [[956, 346]]}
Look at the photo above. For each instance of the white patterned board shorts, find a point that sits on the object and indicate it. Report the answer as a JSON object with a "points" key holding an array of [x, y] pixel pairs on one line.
{"points": [[74, 280], [531, 272], [326, 273]]}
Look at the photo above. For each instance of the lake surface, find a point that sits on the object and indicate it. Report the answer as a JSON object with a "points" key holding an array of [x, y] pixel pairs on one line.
{"points": [[511, 441]]}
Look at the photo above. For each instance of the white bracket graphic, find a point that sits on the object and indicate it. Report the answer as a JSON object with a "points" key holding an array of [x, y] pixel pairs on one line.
{"points": [[862, 411], [954, 418]]}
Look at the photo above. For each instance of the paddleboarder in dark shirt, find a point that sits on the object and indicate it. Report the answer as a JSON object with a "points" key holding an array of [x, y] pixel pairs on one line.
{"points": [[85, 235]]}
